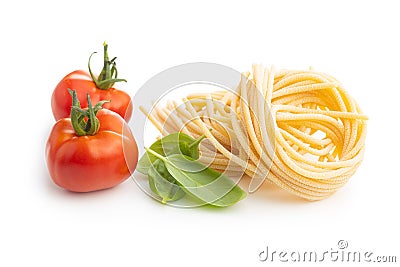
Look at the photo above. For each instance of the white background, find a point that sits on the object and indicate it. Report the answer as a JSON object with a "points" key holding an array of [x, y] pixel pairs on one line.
{"points": [[42, 225]]}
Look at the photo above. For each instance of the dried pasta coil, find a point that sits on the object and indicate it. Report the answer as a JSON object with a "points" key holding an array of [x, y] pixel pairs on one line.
{"points": [[299, 129]]}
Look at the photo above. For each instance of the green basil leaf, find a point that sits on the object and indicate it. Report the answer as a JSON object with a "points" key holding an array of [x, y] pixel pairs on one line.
{"points": [[163, 184], [191, 149], [187, 164], [208, 185], [175, 143]]}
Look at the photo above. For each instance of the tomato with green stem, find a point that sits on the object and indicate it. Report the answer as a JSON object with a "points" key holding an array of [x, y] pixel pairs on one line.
{"points": [[99, 88], [94, 149]]}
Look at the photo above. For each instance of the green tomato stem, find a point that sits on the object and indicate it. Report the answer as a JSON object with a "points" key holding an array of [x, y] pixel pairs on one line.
{"points": [[109, 74], [81, 126]]}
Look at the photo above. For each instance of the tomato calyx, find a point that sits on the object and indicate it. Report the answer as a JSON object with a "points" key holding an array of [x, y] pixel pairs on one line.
{"points": [[109, 74], [85, 121]]}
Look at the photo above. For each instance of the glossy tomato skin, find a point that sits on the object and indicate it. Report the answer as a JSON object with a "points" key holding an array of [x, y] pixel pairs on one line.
{"points": [[90, 163], [81, 81]]}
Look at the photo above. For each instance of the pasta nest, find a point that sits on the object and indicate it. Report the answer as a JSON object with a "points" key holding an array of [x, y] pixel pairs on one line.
{"points": [[299, 129]]}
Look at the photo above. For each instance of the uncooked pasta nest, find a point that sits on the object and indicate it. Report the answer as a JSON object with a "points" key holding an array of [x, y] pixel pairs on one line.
{"points": [[298, 129]]}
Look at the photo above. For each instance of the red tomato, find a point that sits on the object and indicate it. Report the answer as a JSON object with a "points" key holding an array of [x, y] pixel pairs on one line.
{"points": [[99, 88], [82, 82], [91, 162]]}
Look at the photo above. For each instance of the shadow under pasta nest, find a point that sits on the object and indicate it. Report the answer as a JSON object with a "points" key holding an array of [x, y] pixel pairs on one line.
{"points": [[272, 193]]}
